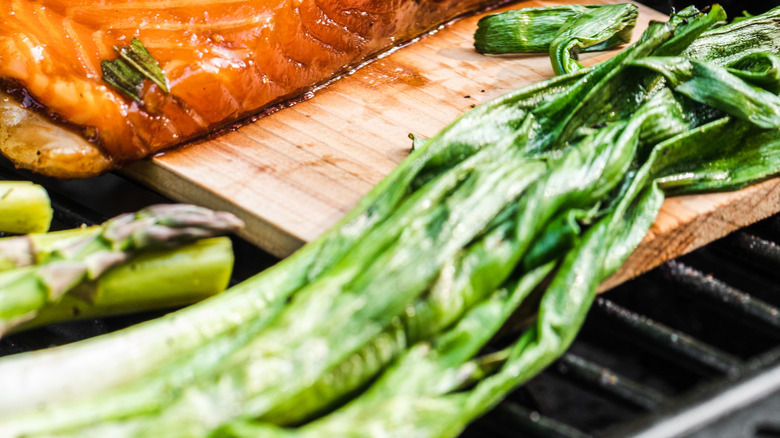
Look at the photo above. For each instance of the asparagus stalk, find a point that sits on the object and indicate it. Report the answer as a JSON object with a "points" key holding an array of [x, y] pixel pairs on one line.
{"points": [[45, 276], [152, 280], [24, 208]]}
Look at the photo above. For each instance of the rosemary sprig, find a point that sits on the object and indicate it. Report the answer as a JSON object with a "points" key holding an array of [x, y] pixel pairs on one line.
{"points": [[123, 77], [143, 61], [127, 72]]}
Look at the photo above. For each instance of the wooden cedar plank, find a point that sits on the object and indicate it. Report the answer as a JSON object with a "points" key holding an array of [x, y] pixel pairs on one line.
{"points": [[293, 174], [689, 222]]}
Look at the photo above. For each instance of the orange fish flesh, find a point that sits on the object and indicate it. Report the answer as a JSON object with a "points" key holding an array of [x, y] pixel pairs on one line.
{"points": [[224, 60]]}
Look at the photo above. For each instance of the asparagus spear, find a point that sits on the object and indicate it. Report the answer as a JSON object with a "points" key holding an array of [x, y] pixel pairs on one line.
{"points": [[44, 277], [152, 280], [24, 208]]}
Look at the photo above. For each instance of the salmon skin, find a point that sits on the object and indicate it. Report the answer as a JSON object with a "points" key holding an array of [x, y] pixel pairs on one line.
{"points": [[224, 60]]}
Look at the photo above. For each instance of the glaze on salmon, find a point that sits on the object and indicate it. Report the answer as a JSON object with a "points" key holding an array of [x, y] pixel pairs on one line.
{"points": [[224, 59]]}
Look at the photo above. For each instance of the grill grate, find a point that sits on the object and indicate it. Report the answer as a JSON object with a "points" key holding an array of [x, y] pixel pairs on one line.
{"points": [[691, 349]]}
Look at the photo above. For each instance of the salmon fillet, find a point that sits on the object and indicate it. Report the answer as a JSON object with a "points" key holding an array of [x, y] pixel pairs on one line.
{"points": [[224, 60]]}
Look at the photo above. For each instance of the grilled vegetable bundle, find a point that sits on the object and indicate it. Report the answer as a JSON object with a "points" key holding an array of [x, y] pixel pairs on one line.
{"points": [[380, 327]]}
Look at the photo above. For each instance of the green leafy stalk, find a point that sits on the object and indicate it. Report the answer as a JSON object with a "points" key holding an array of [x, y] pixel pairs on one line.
{"points": [[718, 88], [599, 29], [479, 270], [24, 208], [526, 30], [563, 31], [723, 45], [427, 413], [759, 69]]}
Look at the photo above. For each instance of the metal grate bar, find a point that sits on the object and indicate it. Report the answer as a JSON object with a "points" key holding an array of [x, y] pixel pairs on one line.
{"points": [[667, 341], [753, 311], [513, 420], [610, 383], [754, 249], [692, 416]]}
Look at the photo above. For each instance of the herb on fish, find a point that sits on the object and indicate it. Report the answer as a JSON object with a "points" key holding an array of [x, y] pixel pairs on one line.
{"points": [[143, 61], [123, 77], [127, 72]]}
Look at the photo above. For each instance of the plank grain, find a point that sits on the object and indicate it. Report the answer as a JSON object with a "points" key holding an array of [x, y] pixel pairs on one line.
{"points": [[294, 173]]}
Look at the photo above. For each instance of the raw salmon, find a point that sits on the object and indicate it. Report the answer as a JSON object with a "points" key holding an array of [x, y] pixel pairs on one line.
{"points": [[224, 60]]}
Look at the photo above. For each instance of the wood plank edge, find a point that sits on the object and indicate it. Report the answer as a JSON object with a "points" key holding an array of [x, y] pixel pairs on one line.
{"points": [[659, 246], [180, 188], [694, 232]]}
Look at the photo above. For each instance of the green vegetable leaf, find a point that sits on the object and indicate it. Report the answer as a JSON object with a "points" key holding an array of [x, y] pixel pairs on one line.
{"points": [[527, 30], [600, 28], [564, 31]]}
